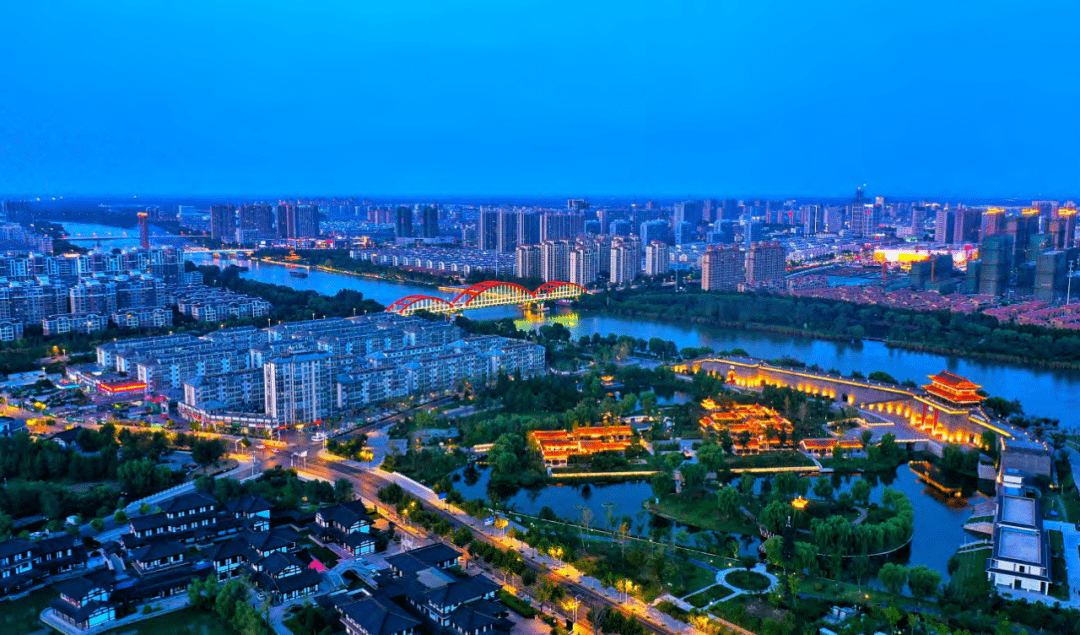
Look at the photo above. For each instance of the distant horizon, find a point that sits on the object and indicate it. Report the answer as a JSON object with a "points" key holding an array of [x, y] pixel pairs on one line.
{"points": [[510, 199]]}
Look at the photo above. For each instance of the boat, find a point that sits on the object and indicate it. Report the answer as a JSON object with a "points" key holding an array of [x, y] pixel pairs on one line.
{"points": [[297, 273]]}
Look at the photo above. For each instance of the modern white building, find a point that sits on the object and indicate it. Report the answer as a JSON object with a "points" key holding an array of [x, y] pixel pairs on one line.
{"points": [[1021, 553]]}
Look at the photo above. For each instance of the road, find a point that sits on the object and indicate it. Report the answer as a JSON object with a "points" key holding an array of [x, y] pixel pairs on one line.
{"points": [[592, 594]]}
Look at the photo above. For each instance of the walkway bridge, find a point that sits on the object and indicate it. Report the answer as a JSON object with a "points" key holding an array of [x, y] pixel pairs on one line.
{"points": [[485, 295]]}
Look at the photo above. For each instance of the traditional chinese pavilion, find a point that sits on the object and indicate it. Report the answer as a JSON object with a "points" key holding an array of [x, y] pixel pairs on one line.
{"points": [[954, 389], [948, 403]]}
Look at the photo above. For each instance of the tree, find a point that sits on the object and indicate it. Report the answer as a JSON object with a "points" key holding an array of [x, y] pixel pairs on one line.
{"points": [[865, 437], [775, 516], [727, 501], [463, 536], [860, 491], [648, 403], [823, 488], [893, 576], [207, 451], [662, 484], [120, 516], [343, 490], [97, 524], [923, 581], [746, 483]]}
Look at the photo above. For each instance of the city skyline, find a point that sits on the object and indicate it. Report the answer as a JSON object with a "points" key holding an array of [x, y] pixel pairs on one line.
{"points": [[422, 100]]}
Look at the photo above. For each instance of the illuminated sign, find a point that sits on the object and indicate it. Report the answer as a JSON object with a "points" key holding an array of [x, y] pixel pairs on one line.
{"points": [[123, 387]]}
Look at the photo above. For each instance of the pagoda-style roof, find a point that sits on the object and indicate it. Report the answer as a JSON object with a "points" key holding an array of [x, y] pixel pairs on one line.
{"points": [[954, 389], [956, 382]]}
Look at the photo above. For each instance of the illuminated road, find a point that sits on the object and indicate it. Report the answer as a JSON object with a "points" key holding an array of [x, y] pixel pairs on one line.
{"points": [[367, 483]]}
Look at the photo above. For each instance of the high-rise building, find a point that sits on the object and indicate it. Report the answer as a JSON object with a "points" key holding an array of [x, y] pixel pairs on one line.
{"points": [[653, 230], [584, 264], [993, 222], [1063, 228], [307, 221], [766, 264], [813, 219], [256, 222], [528, 228], [603, 254], [577, 205], [555, 260], [944, 227], [918, 221], [429, 222], [284, 219], [527, 262], [625, 259], [555, 226], [996, 254], [223, 223], [1050, 275], [657, 259], [865, 220], [710, 210], [729, 209], [18, 211], [620, 227], [487, 232], [507, 231], [299, 388], [403, 217], [722, 268], [967, 225], [834, 219], [144, 230], [687, 212], [1021, 228]]}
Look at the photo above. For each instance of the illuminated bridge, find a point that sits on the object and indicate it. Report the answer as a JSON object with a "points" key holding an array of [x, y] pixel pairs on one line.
{"points": [[486, 294]]}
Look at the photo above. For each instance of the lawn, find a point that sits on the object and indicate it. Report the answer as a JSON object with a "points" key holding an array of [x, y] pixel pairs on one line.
{"points": [[1060, 586], [701, 512], [972, 563], [748, 581], [709, 595], [322, 554], [22, 616]]}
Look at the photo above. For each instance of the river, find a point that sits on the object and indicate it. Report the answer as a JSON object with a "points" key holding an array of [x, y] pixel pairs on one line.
{"points": [[1043, 392]]}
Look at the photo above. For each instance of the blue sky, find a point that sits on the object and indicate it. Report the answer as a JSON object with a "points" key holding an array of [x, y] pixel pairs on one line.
{"points": [[522, 97]]}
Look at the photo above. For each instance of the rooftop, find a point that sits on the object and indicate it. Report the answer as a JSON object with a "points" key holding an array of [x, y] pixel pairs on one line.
{"points": [[1016, 544], [1017, 510]]}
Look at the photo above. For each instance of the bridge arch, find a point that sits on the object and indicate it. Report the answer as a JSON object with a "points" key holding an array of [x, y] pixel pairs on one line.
{"points": [[502, 292], [558, 289], [412, 303]]}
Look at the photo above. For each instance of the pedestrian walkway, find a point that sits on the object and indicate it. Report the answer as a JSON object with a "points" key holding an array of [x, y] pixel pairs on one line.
{"points": [[721, 578], [1072, 558]]}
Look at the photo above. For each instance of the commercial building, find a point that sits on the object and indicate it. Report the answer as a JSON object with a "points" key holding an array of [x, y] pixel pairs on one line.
{"points": [[256, 222]]}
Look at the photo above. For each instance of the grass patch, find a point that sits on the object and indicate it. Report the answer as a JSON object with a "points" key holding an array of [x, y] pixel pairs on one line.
{"points": [[980, 519], [517, 605], [750, 581], [700, 512], [669, 608], [709, 595], [322, 554], [1060, 586], [183, 622], [784, 458]]}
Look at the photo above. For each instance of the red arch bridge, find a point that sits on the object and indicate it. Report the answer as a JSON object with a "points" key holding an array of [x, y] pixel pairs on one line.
{"points": [[486, 294]]}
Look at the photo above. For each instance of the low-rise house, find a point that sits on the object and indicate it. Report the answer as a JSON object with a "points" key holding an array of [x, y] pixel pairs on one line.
{"points": [[284, 576], [59, 554], [347, 525], [85, 602], [251, 508], [410, 563], [824, 447], [369, 616], [157, 556], [16, 566]]}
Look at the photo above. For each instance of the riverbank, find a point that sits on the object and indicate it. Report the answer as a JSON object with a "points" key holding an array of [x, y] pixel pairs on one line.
{"points": [[975, 335]]}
